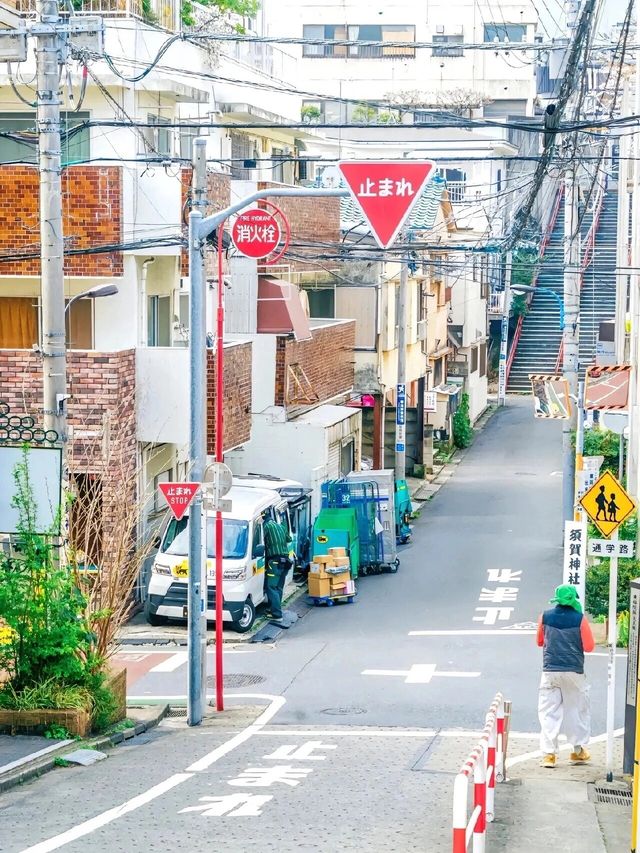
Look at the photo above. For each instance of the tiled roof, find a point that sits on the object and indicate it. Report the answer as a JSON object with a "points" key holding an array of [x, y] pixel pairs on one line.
{"points": [[422, 217]]}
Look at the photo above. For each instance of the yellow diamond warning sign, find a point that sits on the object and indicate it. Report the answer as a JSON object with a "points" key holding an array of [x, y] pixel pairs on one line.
{"points": [[607, 504]]}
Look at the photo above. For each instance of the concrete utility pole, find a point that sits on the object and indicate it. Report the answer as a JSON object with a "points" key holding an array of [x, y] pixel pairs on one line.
{"points": [[401, 388], [54, 348], [622, 247], [54, 38], [570, 336], [633, 457], [197, 582]]}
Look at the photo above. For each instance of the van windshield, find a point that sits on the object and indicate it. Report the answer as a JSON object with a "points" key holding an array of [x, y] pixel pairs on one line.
{"points": [[235, 538]]}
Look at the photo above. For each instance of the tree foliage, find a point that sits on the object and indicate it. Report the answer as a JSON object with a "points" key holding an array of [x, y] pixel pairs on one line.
{"points": [[462, 429]]}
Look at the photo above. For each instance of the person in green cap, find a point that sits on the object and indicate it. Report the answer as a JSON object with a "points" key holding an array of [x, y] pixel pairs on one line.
{"points": [[564, 635]]}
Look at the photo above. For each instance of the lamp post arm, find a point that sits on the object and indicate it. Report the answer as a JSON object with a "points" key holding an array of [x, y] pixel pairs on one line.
{"points": [[209, 224]]}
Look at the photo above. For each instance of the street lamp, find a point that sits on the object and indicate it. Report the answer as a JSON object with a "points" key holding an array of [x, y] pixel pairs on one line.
{"points": [[95, 293]]}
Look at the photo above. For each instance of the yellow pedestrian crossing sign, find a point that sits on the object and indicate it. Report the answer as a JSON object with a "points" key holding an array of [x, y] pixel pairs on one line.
{"points": [[607, 504]]}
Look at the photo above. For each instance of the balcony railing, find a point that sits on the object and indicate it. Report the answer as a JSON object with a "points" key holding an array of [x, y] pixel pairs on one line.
{"points": [[164, 13], [495, 302]]}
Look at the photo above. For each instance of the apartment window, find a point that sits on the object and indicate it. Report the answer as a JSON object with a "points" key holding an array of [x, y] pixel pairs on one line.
{"points": [[159, 321], [79, 324], [504, 32], [159, 502], [157, 137], [18, 322], [75, 146], [483, 359], [242, 155], [447, 40], [322, 302], [499, 180], [474, 360], [360, 32], [456, 183], [187, 135]]}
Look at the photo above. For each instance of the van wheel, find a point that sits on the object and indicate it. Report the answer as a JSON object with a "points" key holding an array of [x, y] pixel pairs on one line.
{"points": [[152, 618], [246, 620]]}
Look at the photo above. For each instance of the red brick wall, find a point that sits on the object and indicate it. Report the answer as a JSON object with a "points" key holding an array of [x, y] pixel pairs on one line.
{"points": [[102, 388], [237, 397], [92, 216], [219, 196], [311, 220], [326, 360]]}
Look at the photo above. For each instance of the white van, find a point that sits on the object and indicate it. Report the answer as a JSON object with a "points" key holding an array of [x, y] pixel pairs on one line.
{"points": [[243, 561]]}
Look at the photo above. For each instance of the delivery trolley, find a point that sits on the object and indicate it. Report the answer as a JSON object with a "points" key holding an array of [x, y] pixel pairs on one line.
{"points": [[377, 547]]}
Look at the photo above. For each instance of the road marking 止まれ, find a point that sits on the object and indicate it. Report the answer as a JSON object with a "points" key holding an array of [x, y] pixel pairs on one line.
{"points": [[420, 673]]}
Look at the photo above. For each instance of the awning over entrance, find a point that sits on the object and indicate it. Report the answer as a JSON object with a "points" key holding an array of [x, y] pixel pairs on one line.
{"points": [[280, 309]]}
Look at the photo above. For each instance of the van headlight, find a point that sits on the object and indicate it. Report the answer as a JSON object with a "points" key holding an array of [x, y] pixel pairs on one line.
{"points": [[233, 574], [161, 569]]}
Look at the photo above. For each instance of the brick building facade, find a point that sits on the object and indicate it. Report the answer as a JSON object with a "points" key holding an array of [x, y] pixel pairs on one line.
{"points": [[219, 197], [92, 216], [311, 372], [237, 397]]}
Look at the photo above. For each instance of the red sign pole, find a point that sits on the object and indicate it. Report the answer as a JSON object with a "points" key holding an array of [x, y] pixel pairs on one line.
{"points": [[219, 420]]}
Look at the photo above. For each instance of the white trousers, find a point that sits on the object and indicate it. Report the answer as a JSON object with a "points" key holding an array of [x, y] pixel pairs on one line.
{"points": [[563, 705]]}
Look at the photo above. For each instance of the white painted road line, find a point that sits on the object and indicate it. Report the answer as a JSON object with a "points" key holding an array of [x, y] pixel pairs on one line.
{"points": [[475, 632], [96, 822], [89, 826], [171, 664], [528, 756], [420, 673]]}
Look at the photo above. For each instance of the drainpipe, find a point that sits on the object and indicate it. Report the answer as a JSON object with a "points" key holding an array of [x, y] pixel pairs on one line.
{"points": [[143, 336]]}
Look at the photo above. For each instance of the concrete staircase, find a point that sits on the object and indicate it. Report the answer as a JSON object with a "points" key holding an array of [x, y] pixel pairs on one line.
{"points": [[540, 337], [598, 295]]}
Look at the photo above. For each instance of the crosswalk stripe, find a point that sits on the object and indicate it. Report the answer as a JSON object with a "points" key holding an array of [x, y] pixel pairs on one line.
{"points": [[170, 664]]}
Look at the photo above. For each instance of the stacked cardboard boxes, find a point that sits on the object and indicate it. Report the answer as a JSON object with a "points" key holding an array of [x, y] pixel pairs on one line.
{"points": [[330, 575]]}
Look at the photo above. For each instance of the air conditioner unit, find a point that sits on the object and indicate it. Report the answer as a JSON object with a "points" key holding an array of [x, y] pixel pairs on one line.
{"points": [[440, 29], [422, 330]]}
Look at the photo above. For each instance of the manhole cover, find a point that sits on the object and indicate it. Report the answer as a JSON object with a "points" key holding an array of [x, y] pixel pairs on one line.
{"points": [[337, 712], [177, 712], [238, 679], [614, 795]]}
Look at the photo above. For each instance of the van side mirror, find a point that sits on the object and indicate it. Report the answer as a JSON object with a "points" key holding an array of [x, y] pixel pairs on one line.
{"points": [[258, 551], [157, 541]]}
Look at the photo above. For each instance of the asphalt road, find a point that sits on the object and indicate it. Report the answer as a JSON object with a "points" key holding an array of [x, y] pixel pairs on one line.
{"points": [[366, 703]]}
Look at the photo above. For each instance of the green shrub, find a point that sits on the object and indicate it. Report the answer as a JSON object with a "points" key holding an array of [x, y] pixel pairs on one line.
{"points": [[603, 442], [597, 586], [462, 429], [623, 629]]}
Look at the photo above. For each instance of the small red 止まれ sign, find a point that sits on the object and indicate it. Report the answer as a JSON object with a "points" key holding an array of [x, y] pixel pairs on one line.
{"points": [[179, 496], [256, 233]]}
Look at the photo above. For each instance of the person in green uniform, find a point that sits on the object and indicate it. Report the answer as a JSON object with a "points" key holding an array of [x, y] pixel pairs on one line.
{"points": [[276, 547]]}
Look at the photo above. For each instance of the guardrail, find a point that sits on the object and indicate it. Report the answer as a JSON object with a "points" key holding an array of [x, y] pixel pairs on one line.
{"points": [[543, 247], [587, 257], [485, 764]]}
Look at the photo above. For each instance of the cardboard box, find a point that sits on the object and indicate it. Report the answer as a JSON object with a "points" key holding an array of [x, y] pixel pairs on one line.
{"points": [[319, 570], [338, 552], [319, 587], [323, 559], [342, 561]]}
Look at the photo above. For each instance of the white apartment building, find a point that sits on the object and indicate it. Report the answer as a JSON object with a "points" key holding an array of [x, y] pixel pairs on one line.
{"points": [[498, 82]]}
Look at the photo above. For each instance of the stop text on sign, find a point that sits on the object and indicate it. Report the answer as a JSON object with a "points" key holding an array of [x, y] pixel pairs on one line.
{"points": [[256, 233]]}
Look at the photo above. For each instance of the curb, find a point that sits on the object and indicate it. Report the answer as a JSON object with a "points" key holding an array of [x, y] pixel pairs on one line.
{"points": [[182, 642], [41, 766]]}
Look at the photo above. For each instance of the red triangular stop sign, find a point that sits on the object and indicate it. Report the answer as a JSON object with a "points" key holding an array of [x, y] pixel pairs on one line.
{"points": [[179, 496], [385, 191]]}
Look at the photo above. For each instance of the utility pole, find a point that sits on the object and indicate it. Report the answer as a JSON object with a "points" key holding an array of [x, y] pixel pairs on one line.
{"points": [[504, 332], [401, 388], [633, 453], [197, 583], [54, 39], [54, 349], [570, 337], [622, 247]]}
